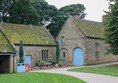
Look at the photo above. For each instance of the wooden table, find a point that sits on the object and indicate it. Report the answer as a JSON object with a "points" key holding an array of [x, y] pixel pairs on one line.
{"points": [[45, 66]]}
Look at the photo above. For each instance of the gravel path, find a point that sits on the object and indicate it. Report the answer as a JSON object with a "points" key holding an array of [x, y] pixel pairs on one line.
{"points": [[88, 77]]}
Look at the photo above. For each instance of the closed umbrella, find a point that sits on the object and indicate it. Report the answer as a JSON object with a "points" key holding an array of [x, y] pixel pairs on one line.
{"points": [[57, 52], [21, 52]]}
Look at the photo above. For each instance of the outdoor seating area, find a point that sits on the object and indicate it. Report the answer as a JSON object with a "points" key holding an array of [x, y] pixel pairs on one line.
{"points": [[49, 65]]}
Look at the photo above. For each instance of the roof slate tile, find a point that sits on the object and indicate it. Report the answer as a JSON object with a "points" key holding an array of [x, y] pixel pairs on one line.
{"points": [[29, 35], [91, 28]]}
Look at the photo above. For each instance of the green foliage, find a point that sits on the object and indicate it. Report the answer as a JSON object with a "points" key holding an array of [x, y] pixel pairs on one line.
{"points": [[111, 23], [18, 11], [46, 11], [63, 13], [42, 62], [38, 12], [55, 25], [73, 10], [22, 12], [4, 9]]}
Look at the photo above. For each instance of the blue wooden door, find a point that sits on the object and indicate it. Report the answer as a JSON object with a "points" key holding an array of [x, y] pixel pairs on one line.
{"points": [[28, 60], [78, 57]]}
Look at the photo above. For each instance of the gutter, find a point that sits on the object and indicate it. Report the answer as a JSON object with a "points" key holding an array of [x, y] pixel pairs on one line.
{"points": [[35, 45], [7, 53], [95, 37]]}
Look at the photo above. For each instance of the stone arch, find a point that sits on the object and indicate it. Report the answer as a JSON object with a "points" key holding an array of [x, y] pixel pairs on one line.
{"points": [[64, 54]]}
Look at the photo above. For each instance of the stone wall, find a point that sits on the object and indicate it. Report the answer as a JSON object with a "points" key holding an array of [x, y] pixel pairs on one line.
{"points": [[74, 38], [103, 57], [36, 53], [92, 49]]}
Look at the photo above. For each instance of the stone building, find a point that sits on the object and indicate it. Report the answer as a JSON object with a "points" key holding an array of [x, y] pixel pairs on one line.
{"points": [[38, 45], [82, 42]]}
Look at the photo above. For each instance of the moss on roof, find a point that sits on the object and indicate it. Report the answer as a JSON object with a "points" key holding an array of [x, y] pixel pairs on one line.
{"points": [[28, 34], [90, 28], [5, 46]]}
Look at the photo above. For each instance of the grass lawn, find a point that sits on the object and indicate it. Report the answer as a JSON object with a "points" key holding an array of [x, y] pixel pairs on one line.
{"points": [[106, 70], [38, 78]]}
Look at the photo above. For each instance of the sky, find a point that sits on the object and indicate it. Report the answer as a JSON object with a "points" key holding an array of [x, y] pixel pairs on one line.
{"points": [[94, 8]]}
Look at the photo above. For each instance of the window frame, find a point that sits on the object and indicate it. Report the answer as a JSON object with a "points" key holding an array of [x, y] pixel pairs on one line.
{"points": [[97, 55], [96, 46], [45, 54], [62, 40], [64, 55]]}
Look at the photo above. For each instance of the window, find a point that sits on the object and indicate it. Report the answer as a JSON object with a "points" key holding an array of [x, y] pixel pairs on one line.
{"points": [[44, 54], [64, 55], [62, 40], [97, 56], [96, 46]]}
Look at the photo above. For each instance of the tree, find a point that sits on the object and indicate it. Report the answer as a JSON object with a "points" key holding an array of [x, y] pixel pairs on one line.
{"points": [[111, 22], [22, 12], [63, 13], [55, 25], [18, 11], [38, 11], [46, 11], [4, 9], [74, 9]]}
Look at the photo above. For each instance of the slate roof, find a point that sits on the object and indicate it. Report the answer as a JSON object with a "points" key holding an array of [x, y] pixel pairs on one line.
{"points": [[29, 34], [5, 45], [90, 28]]}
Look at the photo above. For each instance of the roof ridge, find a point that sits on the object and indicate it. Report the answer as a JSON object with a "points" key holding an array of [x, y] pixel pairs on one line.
{"points": [[85, 20], [78, 26], [48, 33], [91, 21]]}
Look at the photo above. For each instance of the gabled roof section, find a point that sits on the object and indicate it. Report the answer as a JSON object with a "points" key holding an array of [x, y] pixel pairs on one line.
{"points": [[5, 45], [29, 34], [90, 28]]}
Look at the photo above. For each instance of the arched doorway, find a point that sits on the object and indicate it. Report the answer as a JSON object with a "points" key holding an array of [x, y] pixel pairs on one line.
{"points": [[78, 57]]}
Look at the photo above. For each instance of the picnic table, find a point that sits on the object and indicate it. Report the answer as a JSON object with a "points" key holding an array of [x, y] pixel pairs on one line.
{"points": [[49, 65], [46, 65]]}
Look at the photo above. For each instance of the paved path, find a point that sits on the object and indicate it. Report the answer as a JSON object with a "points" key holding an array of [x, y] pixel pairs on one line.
{"points": [[88, 77]]}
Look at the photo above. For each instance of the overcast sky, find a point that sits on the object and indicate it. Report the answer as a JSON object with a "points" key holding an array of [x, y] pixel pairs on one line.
{"points": [[94, 8]]}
